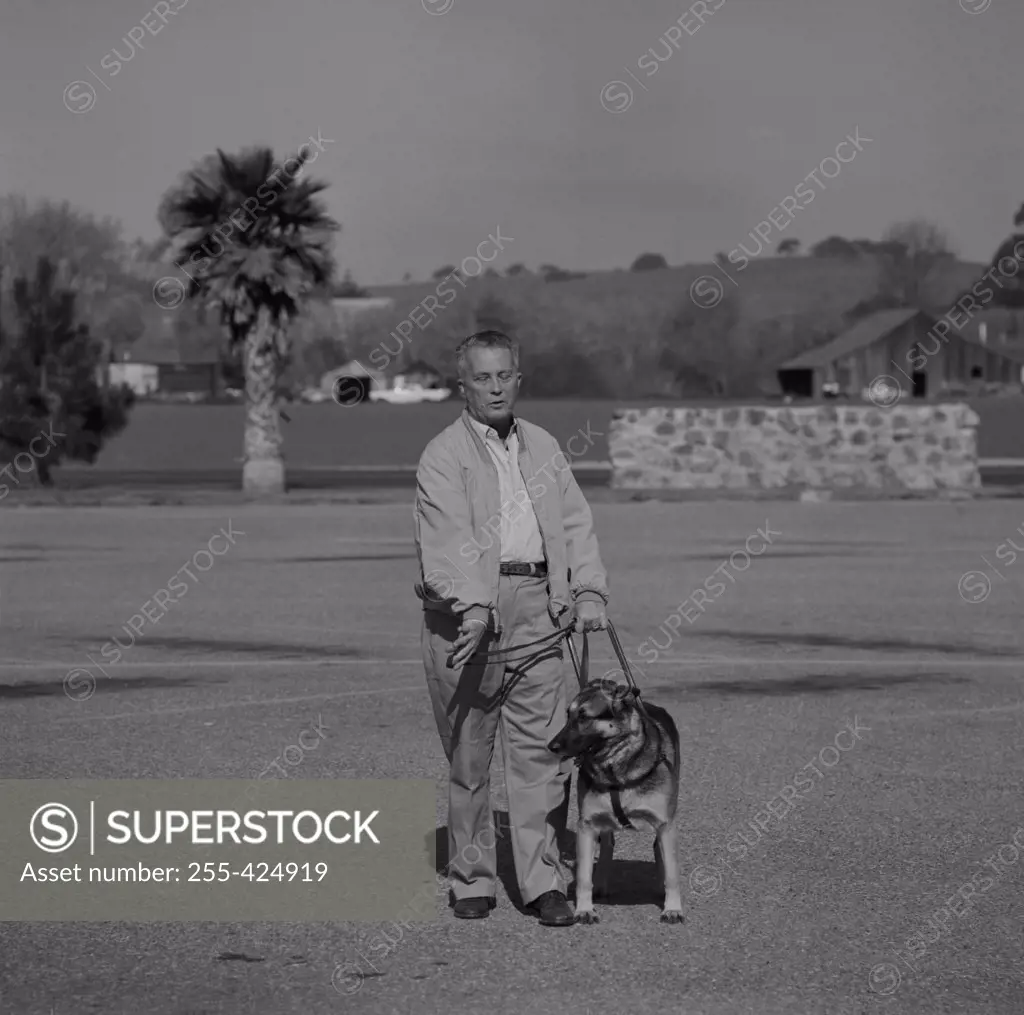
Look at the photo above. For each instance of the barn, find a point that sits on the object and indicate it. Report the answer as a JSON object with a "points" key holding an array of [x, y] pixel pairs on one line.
{"points": [[906, 345], [167, 362], [422, 373], [998, 327]]}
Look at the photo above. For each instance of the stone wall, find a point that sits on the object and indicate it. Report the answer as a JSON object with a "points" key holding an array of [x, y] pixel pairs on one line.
{"points": [[783, 450]]}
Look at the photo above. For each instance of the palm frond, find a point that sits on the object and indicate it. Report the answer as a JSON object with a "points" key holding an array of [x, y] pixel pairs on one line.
{"points": [[250, 236]]}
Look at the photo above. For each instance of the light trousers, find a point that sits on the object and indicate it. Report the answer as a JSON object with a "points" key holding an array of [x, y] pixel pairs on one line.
{"points": [[529, 698]]}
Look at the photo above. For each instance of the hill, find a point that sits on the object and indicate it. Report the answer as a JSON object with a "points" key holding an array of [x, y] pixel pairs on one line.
{"points": [[641, 334], [768, 288]]}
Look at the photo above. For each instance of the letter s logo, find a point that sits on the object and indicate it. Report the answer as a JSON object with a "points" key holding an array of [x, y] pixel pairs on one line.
{"points": [[53, 818]]}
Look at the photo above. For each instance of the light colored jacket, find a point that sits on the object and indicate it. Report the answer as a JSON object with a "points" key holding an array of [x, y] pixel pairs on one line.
{"points": [[457, 518]]}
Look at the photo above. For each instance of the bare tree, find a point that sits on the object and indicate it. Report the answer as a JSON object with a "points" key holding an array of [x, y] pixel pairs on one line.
{"points": [[911, 250], [699, 348], [89, 254]]}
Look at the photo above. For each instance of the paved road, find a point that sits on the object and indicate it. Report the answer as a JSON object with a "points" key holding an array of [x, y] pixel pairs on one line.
{"points": [[853, 615], [327, 478], [1002, 472]]}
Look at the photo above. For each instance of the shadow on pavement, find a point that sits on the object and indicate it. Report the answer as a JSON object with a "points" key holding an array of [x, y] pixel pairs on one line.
{"points": [[824, 683], [239, 646], [780, 555], [817, 640], [108, 685], [354, 557]]}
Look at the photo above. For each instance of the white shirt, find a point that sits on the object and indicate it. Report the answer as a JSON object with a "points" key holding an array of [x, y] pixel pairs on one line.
{"points": [[520, 533]]}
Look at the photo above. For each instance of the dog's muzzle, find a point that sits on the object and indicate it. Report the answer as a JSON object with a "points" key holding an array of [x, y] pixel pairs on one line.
{"points": [[566, 746]]}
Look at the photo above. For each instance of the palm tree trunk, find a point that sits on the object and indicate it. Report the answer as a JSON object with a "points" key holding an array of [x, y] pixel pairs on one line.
{"points": [[43, 473], [263, 469]]}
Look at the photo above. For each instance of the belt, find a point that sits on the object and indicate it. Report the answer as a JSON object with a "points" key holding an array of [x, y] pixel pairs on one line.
{"points": [[533, 570]]}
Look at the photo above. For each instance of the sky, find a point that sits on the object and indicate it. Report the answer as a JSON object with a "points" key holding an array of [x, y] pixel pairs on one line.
{"points": [[449, 119]]}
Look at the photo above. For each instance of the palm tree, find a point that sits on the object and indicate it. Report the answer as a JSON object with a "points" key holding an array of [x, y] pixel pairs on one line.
{"points": [[257, 275]]}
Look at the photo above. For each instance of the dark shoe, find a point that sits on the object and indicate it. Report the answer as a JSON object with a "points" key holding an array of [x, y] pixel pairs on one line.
{"points": [[554, 910], [474, 909]]}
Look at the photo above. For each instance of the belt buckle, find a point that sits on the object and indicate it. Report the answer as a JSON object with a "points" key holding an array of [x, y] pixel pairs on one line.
{"points": [[533, 570]]}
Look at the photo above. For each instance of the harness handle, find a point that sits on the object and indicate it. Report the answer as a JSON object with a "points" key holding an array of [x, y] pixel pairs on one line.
{"points": [[582, 668]]}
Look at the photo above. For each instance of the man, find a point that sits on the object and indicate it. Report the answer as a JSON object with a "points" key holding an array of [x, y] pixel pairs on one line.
{"points": [[506, 548]]}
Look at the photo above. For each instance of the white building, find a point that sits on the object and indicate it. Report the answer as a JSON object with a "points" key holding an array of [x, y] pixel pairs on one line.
{"points": [[142, 378]]}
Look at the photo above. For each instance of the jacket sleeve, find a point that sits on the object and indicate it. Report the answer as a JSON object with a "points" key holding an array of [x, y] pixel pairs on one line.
{"points": [[587, 572], [443, 525]]}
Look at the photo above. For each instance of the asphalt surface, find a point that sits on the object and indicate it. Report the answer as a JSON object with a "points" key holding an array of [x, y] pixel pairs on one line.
{"points": [[856, 613], [299, 478], [588, 474]]}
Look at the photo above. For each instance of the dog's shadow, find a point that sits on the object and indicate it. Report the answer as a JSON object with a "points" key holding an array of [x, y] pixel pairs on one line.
{"points": [[631, 883]]}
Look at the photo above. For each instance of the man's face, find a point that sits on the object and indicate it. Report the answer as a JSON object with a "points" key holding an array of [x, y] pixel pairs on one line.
{"points": [[490, 384]]}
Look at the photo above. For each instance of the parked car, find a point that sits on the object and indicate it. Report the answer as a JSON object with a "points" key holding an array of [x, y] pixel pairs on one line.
{"points": [[404, 393], [881, 393]]}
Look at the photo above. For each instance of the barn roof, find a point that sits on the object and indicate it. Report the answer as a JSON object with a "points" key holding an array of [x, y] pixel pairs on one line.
{"points": [[353, 368], [876, 326], [865, 332], [164, 350], [176, 336], [420, 366]]}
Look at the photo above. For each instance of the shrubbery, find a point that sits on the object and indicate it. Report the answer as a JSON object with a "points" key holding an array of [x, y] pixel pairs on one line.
{"points": [[52, 406]]}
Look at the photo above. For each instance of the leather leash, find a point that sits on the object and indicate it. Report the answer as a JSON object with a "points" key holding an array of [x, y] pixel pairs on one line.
{"points": [[548, 641], [581, 666]]}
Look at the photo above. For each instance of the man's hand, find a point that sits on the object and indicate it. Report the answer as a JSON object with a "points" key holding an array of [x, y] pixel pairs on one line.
{"points": [[589, 616], [470, 635]]}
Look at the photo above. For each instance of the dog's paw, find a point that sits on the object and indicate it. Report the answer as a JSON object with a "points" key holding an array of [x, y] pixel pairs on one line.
{"points": [[587, 916], [672, 916]]}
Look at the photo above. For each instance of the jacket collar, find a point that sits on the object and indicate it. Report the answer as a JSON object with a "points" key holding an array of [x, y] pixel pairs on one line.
{"points": [[481, 430]]}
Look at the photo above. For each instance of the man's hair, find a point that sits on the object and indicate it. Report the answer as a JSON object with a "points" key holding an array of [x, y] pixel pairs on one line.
{"points": [[487, 339]]}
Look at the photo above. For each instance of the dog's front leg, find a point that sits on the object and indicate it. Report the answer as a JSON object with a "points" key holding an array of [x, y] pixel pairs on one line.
{"points": [[603, 877], [673, 911], [586, 843]]}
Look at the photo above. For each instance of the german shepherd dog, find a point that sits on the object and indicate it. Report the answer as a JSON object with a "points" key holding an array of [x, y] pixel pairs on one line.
{"points": [[628, 757]]}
